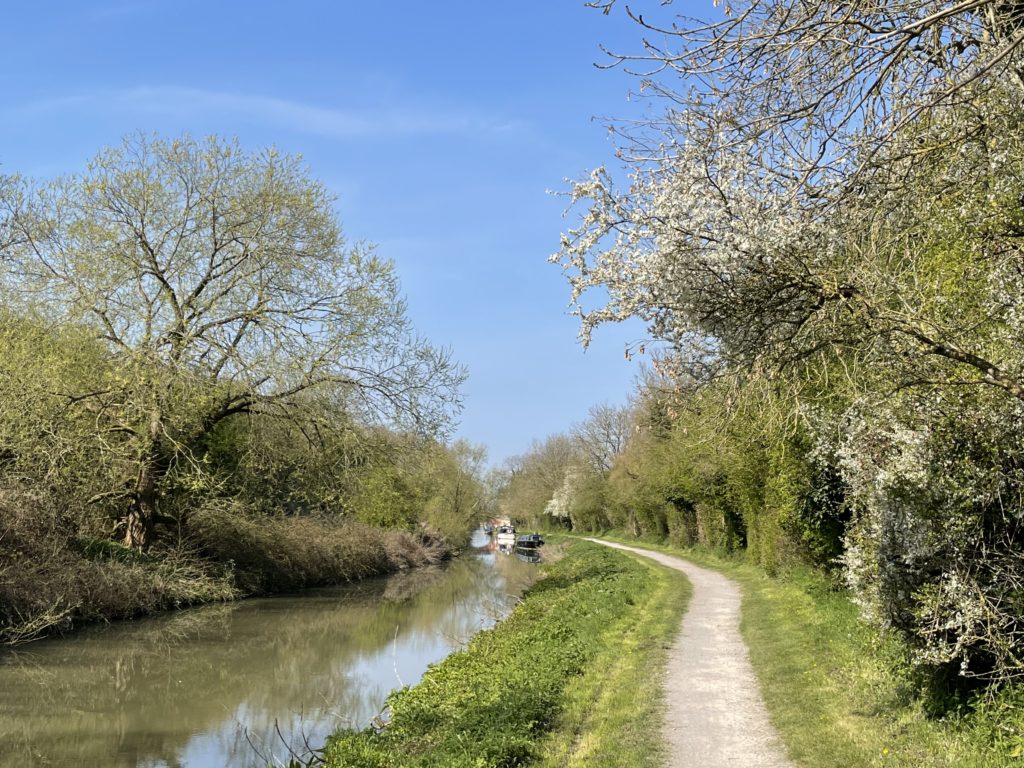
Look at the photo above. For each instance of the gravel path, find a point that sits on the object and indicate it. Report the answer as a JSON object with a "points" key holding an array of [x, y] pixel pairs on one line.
{"points": [[714, 714]]}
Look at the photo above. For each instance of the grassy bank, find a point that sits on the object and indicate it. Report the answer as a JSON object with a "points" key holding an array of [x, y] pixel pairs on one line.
{"points": [[52, 581], [565, 680], [841, 695]]}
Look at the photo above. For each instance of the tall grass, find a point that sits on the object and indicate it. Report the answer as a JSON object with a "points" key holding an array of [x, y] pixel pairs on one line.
{"points": [[51, 580], [273, 554]]}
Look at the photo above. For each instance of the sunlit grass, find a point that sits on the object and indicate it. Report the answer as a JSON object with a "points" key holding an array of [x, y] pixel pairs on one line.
{"points": [[612, 715], [569, 679], [839, 692]]}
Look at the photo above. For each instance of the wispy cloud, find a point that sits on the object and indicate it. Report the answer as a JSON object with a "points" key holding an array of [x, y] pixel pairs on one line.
{"points": [[398, 120]]}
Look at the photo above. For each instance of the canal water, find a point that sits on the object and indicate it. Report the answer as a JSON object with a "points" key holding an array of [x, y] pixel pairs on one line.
{"points": [[242, 684]]}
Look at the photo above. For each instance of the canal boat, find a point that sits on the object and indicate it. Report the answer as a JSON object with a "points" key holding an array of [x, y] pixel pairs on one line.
{"points": [[528, 547], [505, 536], [530, 541], [528, 555]]}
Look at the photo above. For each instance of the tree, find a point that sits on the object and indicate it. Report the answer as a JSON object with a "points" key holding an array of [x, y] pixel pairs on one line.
{"points": [[534, 478], [46, 448], [813, 82], [8, 187], [603, 435], [753, 201], [220, 282], [829, 210], [456, 497]]}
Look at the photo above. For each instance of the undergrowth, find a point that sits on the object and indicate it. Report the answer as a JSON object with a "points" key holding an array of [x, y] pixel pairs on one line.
{"points": [[52, 580]]}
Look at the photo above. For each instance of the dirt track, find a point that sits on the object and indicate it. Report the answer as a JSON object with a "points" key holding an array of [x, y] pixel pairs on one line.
{"points": [[714, 714]]}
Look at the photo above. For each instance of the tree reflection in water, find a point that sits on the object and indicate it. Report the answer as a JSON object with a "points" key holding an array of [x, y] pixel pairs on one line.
{"points": [[192, 689]]}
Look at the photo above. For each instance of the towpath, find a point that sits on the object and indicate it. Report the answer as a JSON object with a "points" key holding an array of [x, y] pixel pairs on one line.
{"points": [[714, 714]]}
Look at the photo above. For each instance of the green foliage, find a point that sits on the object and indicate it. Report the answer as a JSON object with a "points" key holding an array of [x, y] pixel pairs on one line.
{"points": [[197, 363], [217, 284], [538, 484], [489, 705], [451, 483], [47, 444], [588, 508], [384, 498], [728, 474]]}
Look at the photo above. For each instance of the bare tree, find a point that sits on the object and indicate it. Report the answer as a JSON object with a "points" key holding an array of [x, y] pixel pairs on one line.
{"points": [[9, 201], [813, 81], [603, 435]]}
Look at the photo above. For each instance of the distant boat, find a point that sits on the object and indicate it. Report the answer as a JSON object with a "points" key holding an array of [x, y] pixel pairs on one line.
{"points": [[505, 535], [528, 547], [530, 541]]}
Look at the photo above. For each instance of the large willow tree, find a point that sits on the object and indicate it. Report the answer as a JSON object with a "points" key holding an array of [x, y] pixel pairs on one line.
{"points": [[220, 284]]}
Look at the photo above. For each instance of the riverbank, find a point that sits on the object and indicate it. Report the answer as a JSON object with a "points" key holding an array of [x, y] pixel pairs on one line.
{"points": [[564, 681], [840, 694], [52, 583], [246, 683]]}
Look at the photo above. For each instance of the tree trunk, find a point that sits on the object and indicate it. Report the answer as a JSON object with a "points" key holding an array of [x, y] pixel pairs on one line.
{"points": [[142, 514], [138, 527]]}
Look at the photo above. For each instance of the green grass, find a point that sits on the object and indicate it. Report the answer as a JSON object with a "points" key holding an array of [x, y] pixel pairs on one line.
{"points": [[612, 713], [841, 694], [565, 680]]}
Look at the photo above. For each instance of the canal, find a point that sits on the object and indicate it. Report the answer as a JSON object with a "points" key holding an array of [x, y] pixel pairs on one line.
{"points": [[241, 684]]}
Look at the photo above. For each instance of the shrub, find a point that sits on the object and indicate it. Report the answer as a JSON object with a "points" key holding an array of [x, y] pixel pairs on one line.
{"points": [[269, 554]]}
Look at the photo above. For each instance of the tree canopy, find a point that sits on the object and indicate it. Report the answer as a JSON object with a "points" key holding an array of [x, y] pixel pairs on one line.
{"points": [[220, 282], [822, 227]]}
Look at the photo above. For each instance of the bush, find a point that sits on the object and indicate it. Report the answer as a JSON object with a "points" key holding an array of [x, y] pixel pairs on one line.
{"points": [[51, 581], [935, 548]]}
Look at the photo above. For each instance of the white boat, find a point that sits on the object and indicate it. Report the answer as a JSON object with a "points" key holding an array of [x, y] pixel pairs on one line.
{"points": [[505, 537]]}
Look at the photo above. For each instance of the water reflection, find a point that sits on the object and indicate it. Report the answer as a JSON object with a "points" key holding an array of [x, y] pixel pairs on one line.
{"points": [[198, 688]]}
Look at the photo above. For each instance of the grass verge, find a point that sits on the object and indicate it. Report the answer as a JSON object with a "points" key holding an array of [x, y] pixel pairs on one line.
{"points": [[565, 680], [841, 694]]}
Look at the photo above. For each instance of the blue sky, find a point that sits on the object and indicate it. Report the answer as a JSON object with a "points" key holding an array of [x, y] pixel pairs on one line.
{"points": [[441, 127]]}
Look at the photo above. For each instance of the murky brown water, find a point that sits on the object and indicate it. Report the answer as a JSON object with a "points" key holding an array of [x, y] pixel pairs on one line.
{"points": [[210, 686]]}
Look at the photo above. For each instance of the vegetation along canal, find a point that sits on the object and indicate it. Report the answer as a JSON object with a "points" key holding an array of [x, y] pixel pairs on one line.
{"points": [[216, 685]]}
